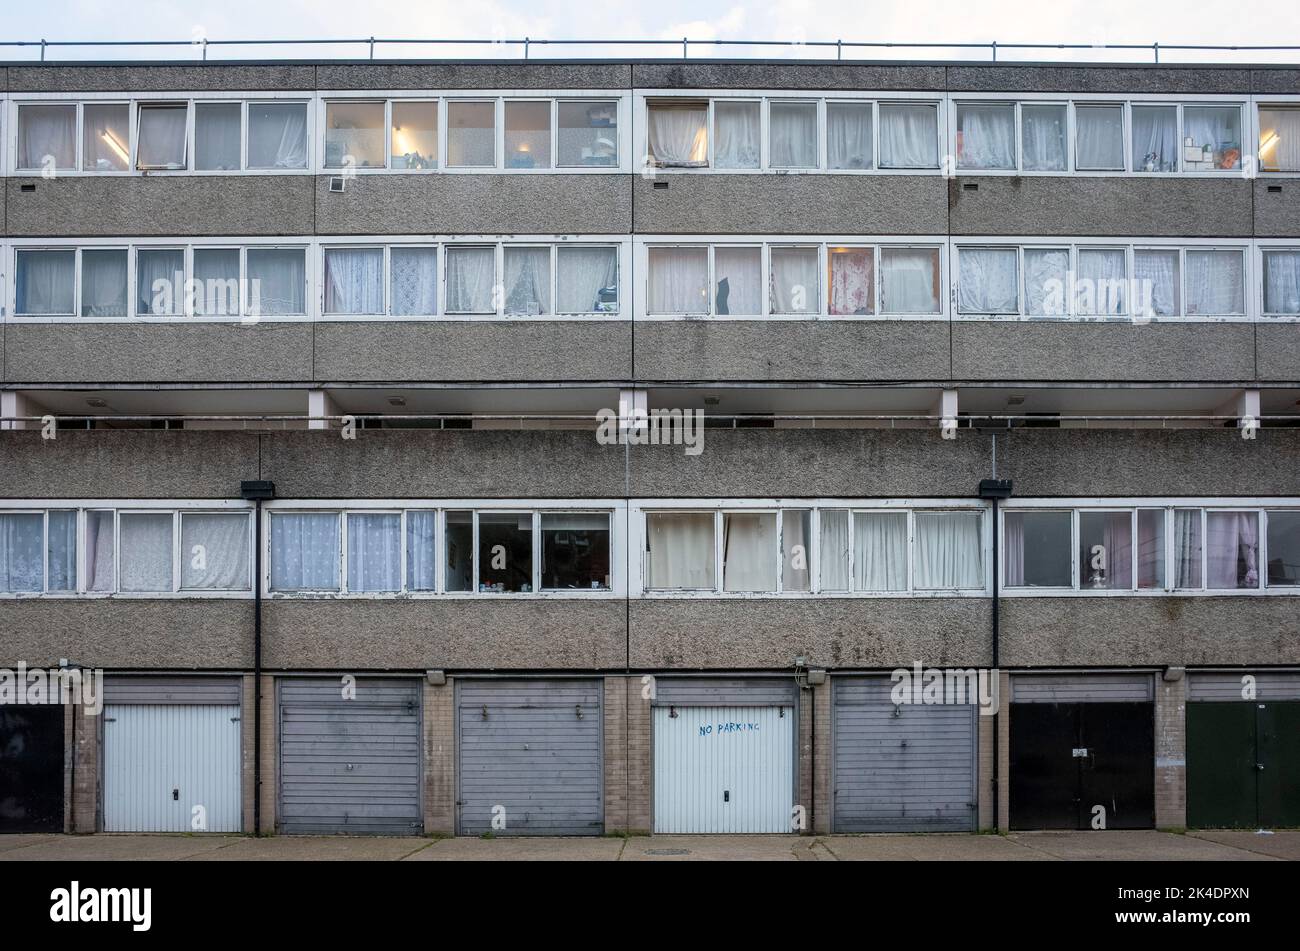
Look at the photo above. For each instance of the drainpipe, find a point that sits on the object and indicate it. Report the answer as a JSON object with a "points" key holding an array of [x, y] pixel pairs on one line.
{"points": [[994, 489], [257, 491]]}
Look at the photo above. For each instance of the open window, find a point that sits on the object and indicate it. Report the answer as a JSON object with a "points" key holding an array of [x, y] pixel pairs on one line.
{"points": [[678, 135], [162, 135]]}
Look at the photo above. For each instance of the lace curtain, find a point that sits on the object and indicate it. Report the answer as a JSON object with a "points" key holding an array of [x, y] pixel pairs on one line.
{"points": [[374, 551], [146, 559], [739, 276], [986, 136], [305, 551], [986, 282], [909, 135], [736, 141], [852, 278], [909, 281], [680, 550]]}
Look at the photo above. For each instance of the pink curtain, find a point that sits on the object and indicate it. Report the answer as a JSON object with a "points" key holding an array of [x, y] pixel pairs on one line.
{"points": [[852, 282]]}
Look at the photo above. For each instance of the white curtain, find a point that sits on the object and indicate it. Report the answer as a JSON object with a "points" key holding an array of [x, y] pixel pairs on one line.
{"points": [[736, 135], [1099, 137], [1155, 139], [949, 550], [1151, 548], [277, 135], [146, 561], [1217, 127], [20, 552], [1215, 285], [374, 552], [909, 135], [1232, 550], [216, 136], [103, 283], [159, 281], [793, 135], [679, 281], [1282, 282], [1042, 138], [217, 272], [986, 282], [1103, 273], [796, 553], [586, 280], [749, 551], [739, 276], [1187, 548], [160, 138], [833, 552], [794, 281], [677, 135], [471, 273], [354, 281], [47, 130], [986, 136], [1046, 277], [61, 572], [420, 574], [879, 551], [853, 285], [1156, 284], [848, 135], [414, 277], [99, 551], [305, 551], [47, 282], [214, 551], [277, 280], [106, 137], [680, 550], [909, 280], [1113, 532], [1279, 140], [528, 280]]}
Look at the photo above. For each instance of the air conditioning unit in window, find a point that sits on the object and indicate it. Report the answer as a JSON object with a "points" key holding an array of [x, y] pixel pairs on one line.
{"points": [[337, 182]]}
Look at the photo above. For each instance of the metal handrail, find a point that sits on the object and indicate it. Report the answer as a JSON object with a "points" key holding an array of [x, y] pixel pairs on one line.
{"points": [[977, 418]]}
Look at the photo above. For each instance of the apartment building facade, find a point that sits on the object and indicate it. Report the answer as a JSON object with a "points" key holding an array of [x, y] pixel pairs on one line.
{"points": [[999, 367]]}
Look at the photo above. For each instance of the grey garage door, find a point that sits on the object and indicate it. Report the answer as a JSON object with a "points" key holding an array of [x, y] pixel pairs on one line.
{"points": [[530, 757], [900, 768], [350, 765]]}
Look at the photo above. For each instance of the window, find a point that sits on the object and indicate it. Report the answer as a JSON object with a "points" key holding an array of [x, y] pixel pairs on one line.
{"points": [[413, 282], [736, 136], [738, 281], [1102, 280], [46, 283], [1046, 279], [848, 135], [1099, 137], [421, 567], [852, 281], [106, 137], [834, 552], [1212, 137], [60, 551], [1282, 282], [47, 137], [1151, 548], [793, 135], [528, 134], [414, 142], [987, 281], [794, 287], [216, 271], [304, 551], [949, 551], [586, 280], [528, 281], [796, 550], [1283, 549], [679, 281], [21, 552], [374, 552], [217, 136], [1232, 550], [880, 551], [471, 274], [680, 550], [145, 564], [277, 135], [1042, 138], [986, 135], [214, 551], [749, 551], [909, 135], [277, 281], [471, 134], [1188, 549], [354, 134], [1157, 283], [1155, 138], [159, 281], [575, 551], [101, 562], [1216, 283], [677, 135], [505, 552], [1037, 549], [588, 136], [909, 280], [354, 280], [161, 136], [1106, 550], [103, 282], [1279, 138], [460, 551]]}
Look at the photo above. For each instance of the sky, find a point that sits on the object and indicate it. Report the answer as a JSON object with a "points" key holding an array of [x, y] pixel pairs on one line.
{"points": [[1241, 22]]}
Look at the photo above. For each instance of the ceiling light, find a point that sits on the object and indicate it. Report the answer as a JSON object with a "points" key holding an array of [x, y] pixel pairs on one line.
{"points": [[712, 400], [96, 402], [397, 401], [1015, 400]]}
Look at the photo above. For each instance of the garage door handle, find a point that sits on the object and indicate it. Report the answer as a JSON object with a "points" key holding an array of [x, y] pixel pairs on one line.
{"points": [[1259, 766], [726, 795], [176, 795]]}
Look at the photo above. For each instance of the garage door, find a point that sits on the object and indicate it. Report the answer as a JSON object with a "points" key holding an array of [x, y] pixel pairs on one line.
{"points": [[530, 757], [350, 765], [31, 768], [171, 754], [901, 768]]}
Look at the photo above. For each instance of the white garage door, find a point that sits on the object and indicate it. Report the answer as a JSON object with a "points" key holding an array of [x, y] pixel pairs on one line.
{"points": [[723, 769]]}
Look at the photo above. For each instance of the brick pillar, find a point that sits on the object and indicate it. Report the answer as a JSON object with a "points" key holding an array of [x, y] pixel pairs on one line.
{"points": [[639, 778], [81, 768], [1004, 752], [616, 786], [984, 777], [247, 754], [440, 759], [1171, 753], [821, 703], [270, 756]]}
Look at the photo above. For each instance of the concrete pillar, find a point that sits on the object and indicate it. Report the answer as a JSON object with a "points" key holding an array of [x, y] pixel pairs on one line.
{"points": [[319, 405], [440, 758], [19, 404], [1171, 753]]}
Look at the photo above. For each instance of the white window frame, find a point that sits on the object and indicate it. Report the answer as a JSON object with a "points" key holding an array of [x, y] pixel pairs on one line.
{"points": [[1258, 304]]}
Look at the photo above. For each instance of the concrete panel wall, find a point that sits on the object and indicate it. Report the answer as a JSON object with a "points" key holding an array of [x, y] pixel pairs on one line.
{"points": [[481, 75], [1277, 351], [787, 76], [1277, 207], [1194, 80], [145, 77]]}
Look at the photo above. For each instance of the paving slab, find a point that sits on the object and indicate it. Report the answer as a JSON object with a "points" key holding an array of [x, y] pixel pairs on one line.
{"points": [[118, 848], [715, 848], [1283, 844], [1130, 845], [22, 840], [523, 849], [319, 848], [931, 847]]}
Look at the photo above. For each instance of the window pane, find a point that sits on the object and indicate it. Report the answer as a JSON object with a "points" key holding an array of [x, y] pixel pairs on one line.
{"points": [[739, 275], [1046, 279], [575, 551], [796, 550], [216, 272], [852, 281], [415, 135], [986, 282], [833, 553], [146, 561], [588, 134], [47, 137], [879, 551], [749, 551], [471, 134], [586, 280], [305, 551], [1099, 137], [421, 571], [909, 135], [1232, 550], [354, 135], [986, 135], [161, 136], [1102, 279], [159, 281], [909, 281], [1215, 132], [214, 551], [99, 551], [103, 283], [216, 136], [277, 281], [471, 273], [680, 550], [1282, 282], [1155, 139], [949, 550], [1151, 548], [528, 281], [1283, 548], [528, 135], [46, 282], [679, 281], [1042, 136], [677, 136], [1215, 283], [794, 281], [1106, 551], [793, 134], [460, 551], [414, 277], [505, 552], [104, 144], [736, 135], [848, 135], [1187, 548], [1037, 549], [354, 281], [60, 552], [277, 135], [1158, 288], [374, 551], [21, 559], [1279, 139]]}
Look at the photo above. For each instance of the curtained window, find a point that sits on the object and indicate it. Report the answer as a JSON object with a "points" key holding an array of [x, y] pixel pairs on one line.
{"points": [[414, 135], [677, 135], [471, 273], [528, 281], [1106, 551], [47, 137], [738, 273], [949, 551], [217, 136], [159, 281], [471, 134], [217, 272], [1279, 138], [793, 135], [909, 135], [833, 552], [413, 282], [879, 551], [100, 546], [848, 135], [1099, 138], [459, 541], [749, 551], [528, 135], [103, 282], [46, 283], [575, 551], [145, 563], [354, 280], [214, 551], [1042, 138], [1036, 549], [374, 551], [1102, 281], [1151, 548], [1155, 138], [1232, 550], [505, 552], [161, 135], [586, 280], [909, 280], [21, 558], [794, 282], [796, 550], [679, 281], [1156, 283], [588, 133], [852, 279], [304, 551], [1215, 134], [106, 137], [421, 570], [986, 135], [1187, 548], [1046, 280], [354, 134], [277, 135], [736, 135], [986, 281], [1282, 282], [1216, 283], [1283, 549], [680, 550], [60, 551], [277, 281]]}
